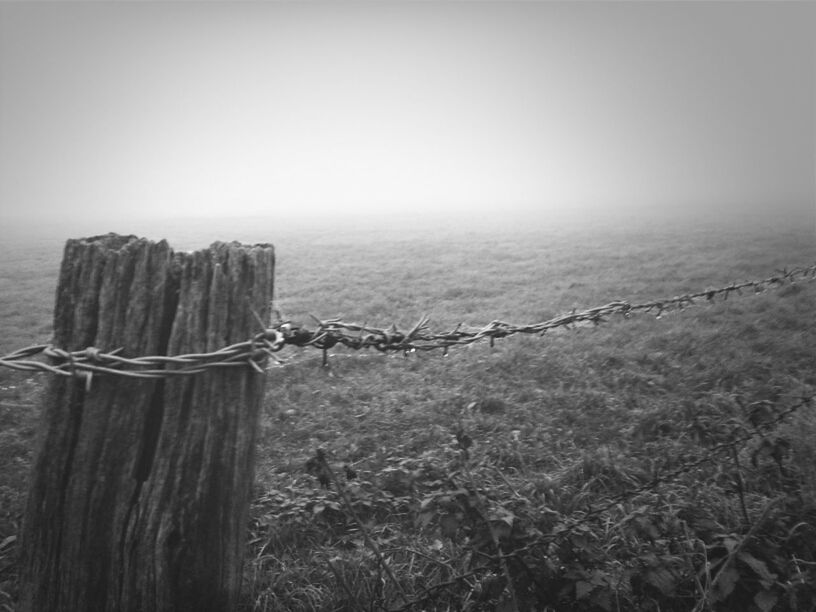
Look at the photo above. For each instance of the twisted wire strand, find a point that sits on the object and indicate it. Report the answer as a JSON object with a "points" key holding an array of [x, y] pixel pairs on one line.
{"points": [[329, 333]]}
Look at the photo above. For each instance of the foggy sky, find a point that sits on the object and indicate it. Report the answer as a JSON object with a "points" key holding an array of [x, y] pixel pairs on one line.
{"points": [[304, 108]]}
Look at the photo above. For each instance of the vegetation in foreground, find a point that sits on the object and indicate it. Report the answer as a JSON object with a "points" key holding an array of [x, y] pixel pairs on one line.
{"points": [[642, 465]]}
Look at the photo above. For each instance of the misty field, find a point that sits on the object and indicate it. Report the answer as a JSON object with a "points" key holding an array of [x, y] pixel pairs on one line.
{"points": [[645, 464]]}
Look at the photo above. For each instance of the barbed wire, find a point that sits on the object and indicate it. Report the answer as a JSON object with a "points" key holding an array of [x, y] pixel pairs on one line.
{"points": [[332, 332], [255, 352]]}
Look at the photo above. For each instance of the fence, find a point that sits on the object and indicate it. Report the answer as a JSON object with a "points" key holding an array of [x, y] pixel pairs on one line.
{"points": [[327, 334], [141, 487]]}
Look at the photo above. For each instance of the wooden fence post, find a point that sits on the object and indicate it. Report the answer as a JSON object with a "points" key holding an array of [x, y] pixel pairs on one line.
{"points": [[141, 489]]}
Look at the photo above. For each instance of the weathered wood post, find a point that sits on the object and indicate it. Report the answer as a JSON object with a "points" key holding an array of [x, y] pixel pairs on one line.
{"points": [[141, 489]]}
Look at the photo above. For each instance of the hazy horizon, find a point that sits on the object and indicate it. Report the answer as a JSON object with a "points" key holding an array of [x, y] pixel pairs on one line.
{"points": [[324, 111]]}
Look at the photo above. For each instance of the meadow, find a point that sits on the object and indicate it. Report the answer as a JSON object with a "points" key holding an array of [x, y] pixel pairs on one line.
{"points": [[644, 464]]}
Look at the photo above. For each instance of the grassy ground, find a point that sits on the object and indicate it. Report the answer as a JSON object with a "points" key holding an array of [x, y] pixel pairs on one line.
{"points": [[644, 464]]}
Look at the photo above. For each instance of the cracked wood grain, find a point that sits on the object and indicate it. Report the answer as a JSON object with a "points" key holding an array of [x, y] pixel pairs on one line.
{"points": [[140, 491]]}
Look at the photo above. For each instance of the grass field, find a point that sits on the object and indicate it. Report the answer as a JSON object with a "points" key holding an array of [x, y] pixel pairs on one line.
{"points": [[639, 465]]}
